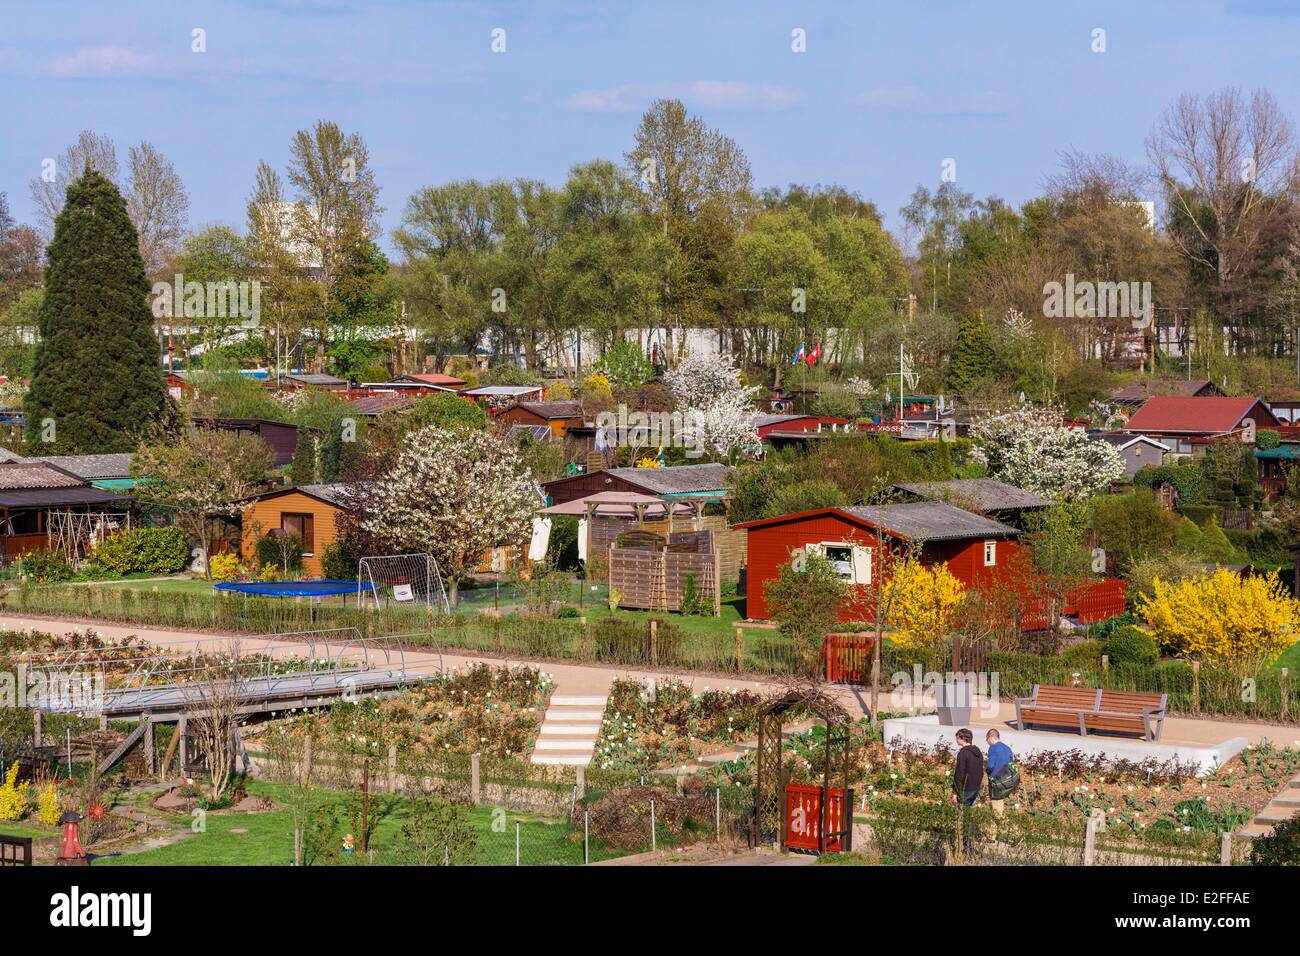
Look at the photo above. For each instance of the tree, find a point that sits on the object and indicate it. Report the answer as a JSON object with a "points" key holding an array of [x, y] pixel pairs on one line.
{"points": [[973, 359], [452, 493], [805, 598], [199, 474], [923, 603], [288, 295], [96, 379], [1223, 618], [1032, 448]]}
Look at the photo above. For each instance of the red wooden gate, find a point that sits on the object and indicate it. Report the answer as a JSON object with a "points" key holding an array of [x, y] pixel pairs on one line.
{"points": [[846, 658], [803, 819]]}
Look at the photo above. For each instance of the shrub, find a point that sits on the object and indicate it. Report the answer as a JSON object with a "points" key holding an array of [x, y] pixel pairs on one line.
{"points": [[1215, 545], [1280, 848], [144, 550], [46, 565], [224, 566], [280, 551], [1267, 438], [1083, 653], [337, 563], [13, 798], [48, 811], [1128, 645]]}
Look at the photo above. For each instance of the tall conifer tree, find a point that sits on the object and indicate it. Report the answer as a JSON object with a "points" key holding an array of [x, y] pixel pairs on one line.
{"points": [[96, 378]]}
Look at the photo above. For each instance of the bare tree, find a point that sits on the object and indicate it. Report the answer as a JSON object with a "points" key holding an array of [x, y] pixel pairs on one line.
{"points": [[158, 205], [90, 151], [213, 699]]}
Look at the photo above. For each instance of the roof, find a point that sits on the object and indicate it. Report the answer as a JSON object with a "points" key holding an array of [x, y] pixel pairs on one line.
{"points": [[1281, 451], [92, 467], [539, 432], [1122, 440], [502, 390], [59, 497], [612, 502], [977, 494], [315, 378], [428, 379], [332, 494], [676, 480], [1207, 414], [379, 404], [553, 410], [914, 520], [35, 474], [240, 423], [1140, 391]]}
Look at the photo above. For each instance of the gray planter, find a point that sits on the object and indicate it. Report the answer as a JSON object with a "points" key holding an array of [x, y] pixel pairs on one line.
{"points": [[954, 700]]}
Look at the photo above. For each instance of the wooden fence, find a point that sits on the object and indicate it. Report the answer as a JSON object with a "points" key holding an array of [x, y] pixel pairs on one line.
{"points": [[652, 576]]}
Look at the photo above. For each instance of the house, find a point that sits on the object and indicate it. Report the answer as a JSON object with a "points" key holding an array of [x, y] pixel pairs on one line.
{"points": [[309, 511], [328, 383], [1135, 393], [281, 436], [559, 417], [44, 506], [502, 396], [975, 548], [1190, 424], [706, 482], [422, 382], [983, 496], [788, 426], [1136, 451]]}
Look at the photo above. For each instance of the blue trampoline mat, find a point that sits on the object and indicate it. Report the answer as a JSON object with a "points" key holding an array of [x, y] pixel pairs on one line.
{"points": [[294, 588]]}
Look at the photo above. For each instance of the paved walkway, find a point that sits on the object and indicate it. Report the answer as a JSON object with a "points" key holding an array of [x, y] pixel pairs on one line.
{"points": [[594, 680]]}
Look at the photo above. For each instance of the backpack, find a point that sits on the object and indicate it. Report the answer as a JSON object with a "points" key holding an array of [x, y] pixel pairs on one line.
{"points": [[1005, 783]]}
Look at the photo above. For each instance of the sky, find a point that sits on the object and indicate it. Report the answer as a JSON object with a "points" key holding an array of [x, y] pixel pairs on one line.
{"points": [[882, 96]]}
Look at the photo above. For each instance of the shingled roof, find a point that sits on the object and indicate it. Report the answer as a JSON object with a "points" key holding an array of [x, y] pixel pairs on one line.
{"points": [[676, 480], [35, 474], [982, 495], [553, 410], [930, 521], [92, 467], [1199, 415]]}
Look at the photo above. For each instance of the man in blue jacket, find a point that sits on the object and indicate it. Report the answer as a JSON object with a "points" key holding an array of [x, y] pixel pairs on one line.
{"points": [[1000, 757]]}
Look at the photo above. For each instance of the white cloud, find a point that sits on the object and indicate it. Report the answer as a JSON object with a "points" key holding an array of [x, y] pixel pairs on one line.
{"points": [[105, 60], [701, 94]]}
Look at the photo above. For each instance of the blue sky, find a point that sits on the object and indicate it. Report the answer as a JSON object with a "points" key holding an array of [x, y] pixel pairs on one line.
{"points": [[884, 93]]}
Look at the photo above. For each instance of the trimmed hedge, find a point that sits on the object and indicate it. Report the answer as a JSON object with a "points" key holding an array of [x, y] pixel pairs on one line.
{"points": [[144, 551]]}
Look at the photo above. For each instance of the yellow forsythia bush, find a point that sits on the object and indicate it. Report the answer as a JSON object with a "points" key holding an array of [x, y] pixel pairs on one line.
{"points": [[596, 385], [921, 603], [48, 810], [224, 566], [1222, 618], [13, 798]]}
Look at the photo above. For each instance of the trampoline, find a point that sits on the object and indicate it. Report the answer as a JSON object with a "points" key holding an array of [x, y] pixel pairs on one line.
{"points": [[295, 589]]}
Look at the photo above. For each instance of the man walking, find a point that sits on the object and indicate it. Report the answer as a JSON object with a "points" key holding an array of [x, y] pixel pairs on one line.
{"points": [[1003, 777], [968, 775]]}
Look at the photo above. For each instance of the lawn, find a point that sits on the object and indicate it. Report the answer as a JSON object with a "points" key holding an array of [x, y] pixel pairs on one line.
{"points": [[266, 839], [1291, 658]]}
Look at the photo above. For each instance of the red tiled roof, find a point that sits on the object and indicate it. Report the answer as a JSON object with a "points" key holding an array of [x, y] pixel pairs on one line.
{"points": [[1196, 415]]}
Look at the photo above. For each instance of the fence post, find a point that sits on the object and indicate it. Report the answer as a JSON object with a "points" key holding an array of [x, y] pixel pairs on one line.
{"points": [[1282, 681], [582, 782], [717, 813], [306, 762], [1196, 687], [654, 837], [1225, 848], [147, 720], [586, 833], [1090, 842], [1105, 667], [516, 843], [740, 649], [475, 781], [654, 639], [183, 744], [36, 726], [392, 768]]}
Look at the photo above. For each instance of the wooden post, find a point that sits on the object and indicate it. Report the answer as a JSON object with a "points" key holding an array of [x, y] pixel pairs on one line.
{"points": [[1196, 687], [1225, 848], [182, 733], [392, 768], [147, 720], [306, 762], [654, 638], [103, 721], [956, 653], [1090, 842], [740, 649], [1105, 667], [582, 782], [36, 726], [475, 779], [365, 805], [1282, 681]]}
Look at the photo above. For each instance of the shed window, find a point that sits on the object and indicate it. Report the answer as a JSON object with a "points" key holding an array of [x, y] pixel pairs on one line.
{"points": [[990, 553], [302, 526], [851, 561]]}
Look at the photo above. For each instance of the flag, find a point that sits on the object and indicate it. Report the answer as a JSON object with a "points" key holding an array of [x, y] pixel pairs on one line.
{"points": [[798, 355], [815, 354]]}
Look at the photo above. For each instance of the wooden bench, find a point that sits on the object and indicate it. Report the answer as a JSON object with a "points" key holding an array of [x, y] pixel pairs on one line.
{"points": [[1091, 708]]}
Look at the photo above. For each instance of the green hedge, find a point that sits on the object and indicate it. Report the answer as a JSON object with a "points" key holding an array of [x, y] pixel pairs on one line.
{"points": [[144, 551]]}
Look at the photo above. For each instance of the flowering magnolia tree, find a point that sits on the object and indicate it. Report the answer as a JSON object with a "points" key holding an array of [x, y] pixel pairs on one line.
{"points": [[1032, 448], [700, 379], [454, 494]]}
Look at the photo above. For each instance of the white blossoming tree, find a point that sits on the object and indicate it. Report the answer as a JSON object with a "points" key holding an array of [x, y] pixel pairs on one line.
{"points": [[700, 379], [717, 408], [1032, 448], [452, 493]]}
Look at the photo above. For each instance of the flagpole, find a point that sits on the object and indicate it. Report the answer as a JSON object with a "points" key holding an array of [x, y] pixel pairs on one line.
{"points": [[900, 388]]}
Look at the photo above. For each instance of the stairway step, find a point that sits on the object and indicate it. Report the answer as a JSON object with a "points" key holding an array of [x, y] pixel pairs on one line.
{"points": [[563, 760], [565, 744], [552, 728], [578, 700], [1252, 830], [575, 714], [1275, 814]]}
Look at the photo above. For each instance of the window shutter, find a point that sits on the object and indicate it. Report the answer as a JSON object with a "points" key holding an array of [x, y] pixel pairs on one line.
{"points": [[861, 564]]}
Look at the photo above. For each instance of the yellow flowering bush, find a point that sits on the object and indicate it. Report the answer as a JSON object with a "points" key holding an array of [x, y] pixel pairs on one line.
{"points": [[1222, 618], [48, 809], [13, 798], [921, 603], [224, 566], [596, 385]]}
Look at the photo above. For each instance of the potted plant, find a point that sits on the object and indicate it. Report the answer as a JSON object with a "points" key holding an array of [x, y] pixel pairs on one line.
{"points": [[954, 699]]}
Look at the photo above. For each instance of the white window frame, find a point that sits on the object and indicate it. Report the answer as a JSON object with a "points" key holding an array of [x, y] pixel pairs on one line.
{"points": [[990, 554], [860, 562]]}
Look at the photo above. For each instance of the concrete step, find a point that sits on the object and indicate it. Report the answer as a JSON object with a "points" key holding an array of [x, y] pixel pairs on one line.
{"points": [[576, 713], [574, 744], [1252, 830], [1275, 814], [562, 760], [715, 759], [1289, 798], [578, 700], [553, 728]]}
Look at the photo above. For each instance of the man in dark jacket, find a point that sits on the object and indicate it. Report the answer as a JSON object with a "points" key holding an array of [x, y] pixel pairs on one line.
{"points": [[968, 776]]}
